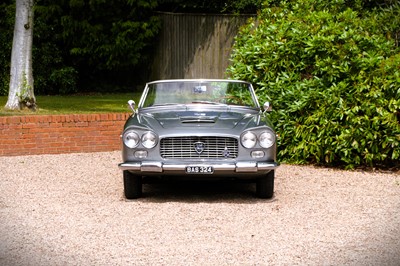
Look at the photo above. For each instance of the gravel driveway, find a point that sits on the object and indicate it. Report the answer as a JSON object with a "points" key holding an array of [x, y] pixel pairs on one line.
{"points": [[70, 210]]}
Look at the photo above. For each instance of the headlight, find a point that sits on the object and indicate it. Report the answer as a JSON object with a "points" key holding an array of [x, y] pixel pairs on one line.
{"points": [[149, 140], [131, 139], [248, 140], [267, 139]]}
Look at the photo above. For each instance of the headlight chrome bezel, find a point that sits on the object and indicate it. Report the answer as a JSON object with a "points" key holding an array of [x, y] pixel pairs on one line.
{"points": [[131, 139], [251, 139], [134, 138], [149, 140], [248, 139], [267, 139]]}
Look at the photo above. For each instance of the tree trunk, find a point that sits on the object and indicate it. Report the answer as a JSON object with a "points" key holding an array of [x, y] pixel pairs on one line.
{"points": [[21, 93]]}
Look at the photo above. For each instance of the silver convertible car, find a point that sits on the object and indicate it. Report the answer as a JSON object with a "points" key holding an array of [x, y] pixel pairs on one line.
{"points": [[198, 129]]}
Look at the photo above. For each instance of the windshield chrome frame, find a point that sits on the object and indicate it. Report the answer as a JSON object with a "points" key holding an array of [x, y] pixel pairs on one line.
{"points": [[146, 89]]}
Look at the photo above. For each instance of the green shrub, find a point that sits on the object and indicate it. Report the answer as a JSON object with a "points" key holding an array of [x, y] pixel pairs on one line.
{"points": [[64, 80], [333, 76]]}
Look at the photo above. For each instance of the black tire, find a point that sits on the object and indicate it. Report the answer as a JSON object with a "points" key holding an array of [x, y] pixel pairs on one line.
{"points": [[265, 186], [132, 185]]}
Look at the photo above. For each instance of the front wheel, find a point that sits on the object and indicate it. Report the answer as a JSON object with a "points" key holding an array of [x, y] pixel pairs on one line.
{"points": [[132, 185], [265, 186]]}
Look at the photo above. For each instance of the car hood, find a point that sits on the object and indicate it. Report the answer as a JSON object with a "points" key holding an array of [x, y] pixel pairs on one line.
{"points": [[200, 119]]}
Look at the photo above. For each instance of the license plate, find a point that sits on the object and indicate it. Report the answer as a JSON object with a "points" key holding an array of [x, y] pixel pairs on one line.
{"points": [[199, 169]]}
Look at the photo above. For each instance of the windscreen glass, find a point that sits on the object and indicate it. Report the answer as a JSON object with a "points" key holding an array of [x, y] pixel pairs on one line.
{"points": [[195, 92]]}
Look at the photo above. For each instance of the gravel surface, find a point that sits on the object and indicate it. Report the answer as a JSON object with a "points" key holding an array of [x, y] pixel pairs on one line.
{"points": [[70, 210]]}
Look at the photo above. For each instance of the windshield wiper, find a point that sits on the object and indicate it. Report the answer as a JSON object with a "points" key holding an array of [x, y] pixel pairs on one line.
{"points": [[209, 102], [162, 104]]}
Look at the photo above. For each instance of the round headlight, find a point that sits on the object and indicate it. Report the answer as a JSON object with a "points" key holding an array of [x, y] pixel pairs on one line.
{"points": [[149, 140], [267, 139], [131, 139], [248, 140]]}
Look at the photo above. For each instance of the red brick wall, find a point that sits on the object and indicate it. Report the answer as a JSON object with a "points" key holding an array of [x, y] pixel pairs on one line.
{"points": [[49, 134]]}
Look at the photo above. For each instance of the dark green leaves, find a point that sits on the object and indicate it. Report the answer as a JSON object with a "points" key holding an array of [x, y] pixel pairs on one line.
{"points": [[332, 74]]}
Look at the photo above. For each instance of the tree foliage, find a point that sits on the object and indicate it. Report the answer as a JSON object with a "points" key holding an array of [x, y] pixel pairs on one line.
{"points": [[84, 45], [92, 45], [53, 70], [7, 20], [332, 73], [109, 38], [211, 6]]}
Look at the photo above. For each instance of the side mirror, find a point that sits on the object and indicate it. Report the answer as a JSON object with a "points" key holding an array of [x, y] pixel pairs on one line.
{"points": [[267, 107], [132, 105]]}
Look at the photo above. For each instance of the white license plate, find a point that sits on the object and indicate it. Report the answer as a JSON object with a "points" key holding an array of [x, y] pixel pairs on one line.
{"points": [[199, 169]]}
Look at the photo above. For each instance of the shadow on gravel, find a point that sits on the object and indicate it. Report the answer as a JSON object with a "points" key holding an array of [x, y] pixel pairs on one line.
{"points": [[201, 191]]}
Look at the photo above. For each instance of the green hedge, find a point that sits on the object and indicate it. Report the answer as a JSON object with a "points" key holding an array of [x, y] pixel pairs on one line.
{"points": [[332, 73]]}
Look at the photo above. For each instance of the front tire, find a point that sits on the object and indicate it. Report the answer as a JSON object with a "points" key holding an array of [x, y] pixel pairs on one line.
{"points": [[265, 186], [132, 185]]}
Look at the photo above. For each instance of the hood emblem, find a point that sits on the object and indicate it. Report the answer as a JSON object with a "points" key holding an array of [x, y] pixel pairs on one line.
{"points": [[199, 147]]}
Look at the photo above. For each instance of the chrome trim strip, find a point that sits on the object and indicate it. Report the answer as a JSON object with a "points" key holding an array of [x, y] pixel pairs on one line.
{"points": [[151, 167], [267, 166], [158, 167], [246, 167], [129, 166]]}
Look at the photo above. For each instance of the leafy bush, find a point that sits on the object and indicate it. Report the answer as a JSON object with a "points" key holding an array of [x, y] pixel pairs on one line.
{"points": [[332, 73], [65, 80]]}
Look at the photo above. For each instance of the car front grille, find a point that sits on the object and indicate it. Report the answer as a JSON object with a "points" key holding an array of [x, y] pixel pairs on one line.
{"points": [[198, 147]]}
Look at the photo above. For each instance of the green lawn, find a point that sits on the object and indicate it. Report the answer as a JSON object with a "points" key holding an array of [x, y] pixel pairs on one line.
{"points": [[77, 104]]}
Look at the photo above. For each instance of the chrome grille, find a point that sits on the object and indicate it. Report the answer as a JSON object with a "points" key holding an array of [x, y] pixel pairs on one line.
{"points": [[185, 147]]}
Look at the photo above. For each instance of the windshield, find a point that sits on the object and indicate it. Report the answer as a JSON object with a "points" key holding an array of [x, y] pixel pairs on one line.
{"points": [[199, 92]]}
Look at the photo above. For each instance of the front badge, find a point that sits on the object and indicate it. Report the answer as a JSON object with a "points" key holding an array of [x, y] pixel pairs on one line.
{"points": [[199, 147]]}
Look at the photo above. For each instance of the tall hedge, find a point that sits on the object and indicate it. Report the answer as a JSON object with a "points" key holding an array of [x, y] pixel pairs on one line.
{"points": [[332, 73]]}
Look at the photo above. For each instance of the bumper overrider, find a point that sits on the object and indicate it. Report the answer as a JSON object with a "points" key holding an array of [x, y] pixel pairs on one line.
{"points": [[159, 167]]}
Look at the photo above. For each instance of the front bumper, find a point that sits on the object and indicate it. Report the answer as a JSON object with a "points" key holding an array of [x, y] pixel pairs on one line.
{"points": [[159, 167]]}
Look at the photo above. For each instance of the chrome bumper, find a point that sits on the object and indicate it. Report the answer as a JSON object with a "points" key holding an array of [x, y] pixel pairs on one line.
{"points": [[159, 167]]}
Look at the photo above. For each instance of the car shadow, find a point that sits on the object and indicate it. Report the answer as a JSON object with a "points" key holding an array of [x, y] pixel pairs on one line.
{"points": [[200, 191]]}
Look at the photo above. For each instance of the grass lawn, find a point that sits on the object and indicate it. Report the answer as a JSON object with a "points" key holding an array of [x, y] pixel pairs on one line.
{"points": [[77, 104]]}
